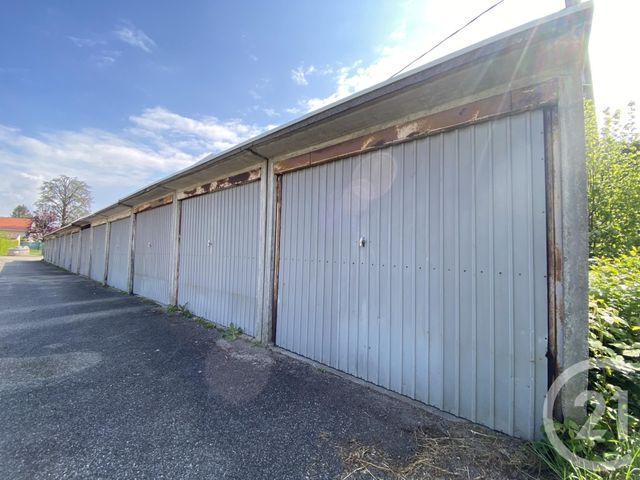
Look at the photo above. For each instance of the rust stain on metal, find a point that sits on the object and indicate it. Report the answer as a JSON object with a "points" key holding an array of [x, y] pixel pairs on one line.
{"points": [[276, 258], [554, 250], [535, 97], [160, 202], [514, 101], [221, 184]]}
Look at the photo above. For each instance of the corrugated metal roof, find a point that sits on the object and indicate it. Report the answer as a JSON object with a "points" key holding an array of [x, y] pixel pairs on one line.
{"points": [[322, 125]]}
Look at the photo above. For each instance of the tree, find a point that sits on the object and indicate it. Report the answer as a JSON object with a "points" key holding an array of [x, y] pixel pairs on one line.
{"points": [[43, 223], [21, 211], [68, 198], [613, 175]]}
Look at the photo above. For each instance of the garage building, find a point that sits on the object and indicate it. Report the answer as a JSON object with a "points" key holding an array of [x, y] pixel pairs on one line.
{"points": [[427, 235]]}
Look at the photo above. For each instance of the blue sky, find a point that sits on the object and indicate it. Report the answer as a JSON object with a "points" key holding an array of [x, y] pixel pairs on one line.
{"points": [[121, 93]]}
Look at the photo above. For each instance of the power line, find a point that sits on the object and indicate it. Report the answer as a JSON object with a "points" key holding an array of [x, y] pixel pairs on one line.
{"points": [[447, 38]]}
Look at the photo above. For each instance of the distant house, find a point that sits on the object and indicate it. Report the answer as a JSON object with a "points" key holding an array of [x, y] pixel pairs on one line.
{"points": [[13, 227]]}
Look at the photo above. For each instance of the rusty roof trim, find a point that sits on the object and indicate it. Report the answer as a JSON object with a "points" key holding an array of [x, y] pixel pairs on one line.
{"points": [[576, 18]]}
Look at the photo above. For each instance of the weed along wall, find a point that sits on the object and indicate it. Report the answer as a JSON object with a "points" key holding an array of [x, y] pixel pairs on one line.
{"points": [[427, 235]]}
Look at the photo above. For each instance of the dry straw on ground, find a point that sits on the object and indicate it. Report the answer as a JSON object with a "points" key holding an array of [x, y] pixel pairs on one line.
{"points": [[455, 451]]}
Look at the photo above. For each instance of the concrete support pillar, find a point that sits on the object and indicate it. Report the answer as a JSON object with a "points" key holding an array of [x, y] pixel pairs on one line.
{"points": [[106, 253], [90, 250], [268, 196], [177, 217], [571, 235], [263, 283], [131, 253]]}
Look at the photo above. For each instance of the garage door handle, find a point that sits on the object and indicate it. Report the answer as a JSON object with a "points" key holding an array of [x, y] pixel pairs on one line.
{"points": [[362, 242]]}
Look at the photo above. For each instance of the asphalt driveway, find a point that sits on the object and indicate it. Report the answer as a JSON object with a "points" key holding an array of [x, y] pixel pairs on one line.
{"points": [[98, 384]]}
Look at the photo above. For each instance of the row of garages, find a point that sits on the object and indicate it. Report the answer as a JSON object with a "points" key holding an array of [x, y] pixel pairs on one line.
{"points": [[218, 259], [412, 236]]}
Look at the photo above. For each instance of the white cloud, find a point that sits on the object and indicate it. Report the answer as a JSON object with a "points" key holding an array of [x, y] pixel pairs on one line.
{"points": [[423, 25], [270, 112], [157, 143], [204, 133], [106, 58], [259, 87], [85, 42], [135, 37], [299, 75], [400, 33]]}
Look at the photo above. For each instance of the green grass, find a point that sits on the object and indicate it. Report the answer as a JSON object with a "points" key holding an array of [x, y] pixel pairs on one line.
{"points": [[35, 253], [181, 309], [204, 323], [232, 332]]}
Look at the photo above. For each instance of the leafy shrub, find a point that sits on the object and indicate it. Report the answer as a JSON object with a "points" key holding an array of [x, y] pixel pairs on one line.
{"points": [[232, 332], [614, 326], [614, 340], [616, 282], [613, 175]]}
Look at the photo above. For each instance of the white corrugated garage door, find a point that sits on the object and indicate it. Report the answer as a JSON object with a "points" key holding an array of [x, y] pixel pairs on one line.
{"points": [[68, 252], [119, 238], [219, 243], [75, 252], [85, 251], [422, 268], [153, 257], [98, 252], [59, 251], [56, 252]]}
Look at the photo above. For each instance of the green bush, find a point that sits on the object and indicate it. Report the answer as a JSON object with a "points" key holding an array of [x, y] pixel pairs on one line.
{"points": [[614, 326], [613, 175], [6, 244], [614, 340], [616, 282]]}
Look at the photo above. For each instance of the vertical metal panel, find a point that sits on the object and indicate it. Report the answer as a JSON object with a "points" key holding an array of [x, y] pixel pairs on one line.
{"points": [[56, 257], [154, 250], [85, 251], [68, 252], [63, 257], [446, 300], [60, 256], [75, 252], [119, 238], [63, 251], [218, 273], [98, 251]]}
